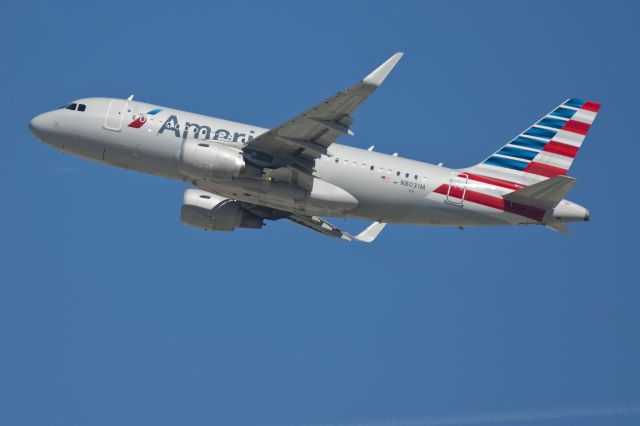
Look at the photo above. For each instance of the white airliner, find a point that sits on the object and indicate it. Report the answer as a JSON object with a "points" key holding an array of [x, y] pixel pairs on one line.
{"points": [[243, 174]]}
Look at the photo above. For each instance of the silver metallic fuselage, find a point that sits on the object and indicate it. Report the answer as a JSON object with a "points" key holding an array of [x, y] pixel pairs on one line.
{"points": [[377, 182]]}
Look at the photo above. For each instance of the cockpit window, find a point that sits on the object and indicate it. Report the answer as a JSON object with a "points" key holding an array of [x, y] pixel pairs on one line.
{"points": [[75, 107]]}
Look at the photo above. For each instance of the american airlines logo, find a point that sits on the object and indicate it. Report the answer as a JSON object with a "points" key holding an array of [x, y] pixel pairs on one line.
{"points": [[139, 121]]}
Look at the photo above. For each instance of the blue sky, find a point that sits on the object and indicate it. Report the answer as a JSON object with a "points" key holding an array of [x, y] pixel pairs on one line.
{"points": [[112, 312]]}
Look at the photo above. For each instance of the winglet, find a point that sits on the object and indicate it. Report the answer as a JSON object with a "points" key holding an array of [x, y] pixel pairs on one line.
{"points": [[371, 233], [379, 74]]}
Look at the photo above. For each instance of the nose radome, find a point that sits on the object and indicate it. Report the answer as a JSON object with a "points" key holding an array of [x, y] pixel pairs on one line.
{"points": [[37, 125]]}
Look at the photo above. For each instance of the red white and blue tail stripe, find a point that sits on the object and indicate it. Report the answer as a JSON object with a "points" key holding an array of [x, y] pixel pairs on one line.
{"points": [[544, 150]]}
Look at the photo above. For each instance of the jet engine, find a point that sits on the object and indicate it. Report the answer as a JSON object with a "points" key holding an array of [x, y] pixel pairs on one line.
{"points": [[208, 211], [202, 159]]}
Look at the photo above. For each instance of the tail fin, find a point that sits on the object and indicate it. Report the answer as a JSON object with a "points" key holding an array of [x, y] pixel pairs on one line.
{"points": [[545, 149]]}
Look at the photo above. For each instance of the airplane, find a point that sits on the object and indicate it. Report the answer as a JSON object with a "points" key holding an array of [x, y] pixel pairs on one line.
{"points": [[241, 175]]}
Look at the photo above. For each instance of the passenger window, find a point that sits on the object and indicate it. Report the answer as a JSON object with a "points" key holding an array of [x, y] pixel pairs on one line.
{"points": [[337, 160], [82, 107], [406, 175], [72, 107], [398, 173], [415, 177], [371, 168]]}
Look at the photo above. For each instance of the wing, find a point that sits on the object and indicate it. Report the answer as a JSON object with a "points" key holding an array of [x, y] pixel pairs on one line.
{"points": [[316, 223], [320, 225], [298, 142]]}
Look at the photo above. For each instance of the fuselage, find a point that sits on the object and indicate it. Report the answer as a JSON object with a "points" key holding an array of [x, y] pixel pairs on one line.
{"points": [[387, 188]]}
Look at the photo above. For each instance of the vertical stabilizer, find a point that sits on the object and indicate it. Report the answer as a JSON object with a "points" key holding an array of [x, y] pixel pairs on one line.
{"points": [[544, 150]]}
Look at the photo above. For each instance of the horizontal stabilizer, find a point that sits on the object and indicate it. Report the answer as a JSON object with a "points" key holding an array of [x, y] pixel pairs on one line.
{"points": [[559, 227], [546, 194]]}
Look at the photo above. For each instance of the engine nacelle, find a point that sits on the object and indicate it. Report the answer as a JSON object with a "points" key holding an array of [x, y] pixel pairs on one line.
{"points": [[202, 159], [208, 211]]}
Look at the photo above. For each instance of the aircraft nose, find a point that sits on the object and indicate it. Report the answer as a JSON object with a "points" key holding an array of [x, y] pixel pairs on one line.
{"points": [[38, 124]]}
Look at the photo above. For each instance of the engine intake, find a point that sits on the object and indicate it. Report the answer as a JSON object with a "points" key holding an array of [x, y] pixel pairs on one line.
{"points": [[201, 159], [208, 211]]}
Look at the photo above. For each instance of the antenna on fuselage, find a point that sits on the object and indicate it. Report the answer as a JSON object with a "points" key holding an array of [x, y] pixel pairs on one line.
{"points": [[370, 148], [130, 98]]}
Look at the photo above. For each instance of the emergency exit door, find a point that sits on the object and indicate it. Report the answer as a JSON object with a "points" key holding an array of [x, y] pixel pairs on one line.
{"points": [[115, 115]]}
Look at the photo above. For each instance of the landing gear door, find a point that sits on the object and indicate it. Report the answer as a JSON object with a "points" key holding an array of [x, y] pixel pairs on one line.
{"points": [[115, 115], [457, 188]]}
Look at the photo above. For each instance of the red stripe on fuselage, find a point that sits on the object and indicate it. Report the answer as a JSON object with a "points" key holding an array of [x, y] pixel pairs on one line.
{"points": [[544, 170], [493, 181], [561, 149], [498, 203], [576, 127]]}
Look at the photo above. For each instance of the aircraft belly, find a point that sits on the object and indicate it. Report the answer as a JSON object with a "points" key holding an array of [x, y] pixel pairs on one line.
{"points": [[439, 214], [75, 145]]}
